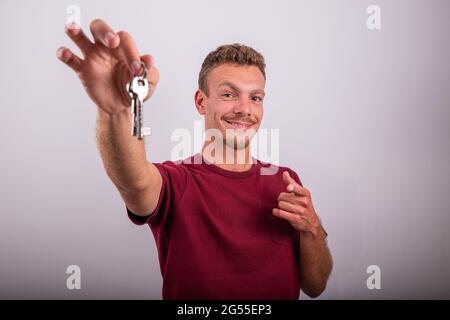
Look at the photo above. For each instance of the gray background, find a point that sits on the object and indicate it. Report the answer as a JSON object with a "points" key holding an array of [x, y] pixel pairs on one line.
{"points": [[363, 118]]}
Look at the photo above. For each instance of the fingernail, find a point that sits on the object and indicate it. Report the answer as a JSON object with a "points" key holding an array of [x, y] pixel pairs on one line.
{"points": [[109, 38], [290, 187], [59, 53], [135, 67], [73, 28]]}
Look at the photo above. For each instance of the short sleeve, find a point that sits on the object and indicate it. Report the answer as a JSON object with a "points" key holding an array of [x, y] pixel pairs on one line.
{"points": [[174, 177]]}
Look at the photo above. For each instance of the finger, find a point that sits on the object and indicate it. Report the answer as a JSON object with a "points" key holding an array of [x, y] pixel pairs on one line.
{"points": [[103, 34], [293, 186], [70, 59], [287, 178], [290, 182], [300, 191], [148, 61], [286, 196], [78, 37], [299, 222], [152, 74], [152, 71], [293, 198], [290, 207], [288, 216], [129, 51]]}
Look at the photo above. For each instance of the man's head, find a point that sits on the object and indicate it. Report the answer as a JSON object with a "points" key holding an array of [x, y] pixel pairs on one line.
{"points": [[231, 91]]}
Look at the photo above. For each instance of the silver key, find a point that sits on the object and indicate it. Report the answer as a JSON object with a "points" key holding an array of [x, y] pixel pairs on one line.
{"points": [[139, 86], [133, 110], [138, 90]]}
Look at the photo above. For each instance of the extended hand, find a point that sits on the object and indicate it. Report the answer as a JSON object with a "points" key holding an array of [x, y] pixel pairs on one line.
{"points": [[108, 65]]}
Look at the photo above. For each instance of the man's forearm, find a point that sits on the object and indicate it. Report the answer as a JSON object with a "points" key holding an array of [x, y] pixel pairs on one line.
{"points": [[123, 155], [315, 263]]}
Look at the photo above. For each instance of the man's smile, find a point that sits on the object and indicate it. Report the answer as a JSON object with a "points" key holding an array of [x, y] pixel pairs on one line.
{"points": [[238, 124]]}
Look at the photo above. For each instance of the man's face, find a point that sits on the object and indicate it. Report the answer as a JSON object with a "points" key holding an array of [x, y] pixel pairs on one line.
{"points": [[235, 102]]}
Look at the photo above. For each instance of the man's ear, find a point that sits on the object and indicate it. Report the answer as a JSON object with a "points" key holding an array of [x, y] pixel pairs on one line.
{"points": [[199, 99]]}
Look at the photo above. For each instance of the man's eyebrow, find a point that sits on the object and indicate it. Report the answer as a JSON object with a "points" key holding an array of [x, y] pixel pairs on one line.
{"points": [[235, 88], [229, 84], [260, 91]]}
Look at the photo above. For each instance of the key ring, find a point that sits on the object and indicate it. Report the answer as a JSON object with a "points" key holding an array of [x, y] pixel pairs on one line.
{"points": [[144, 76]]}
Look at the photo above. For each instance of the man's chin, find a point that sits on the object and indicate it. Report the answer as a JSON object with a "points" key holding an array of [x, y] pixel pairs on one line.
{"points": [[237, 142]]}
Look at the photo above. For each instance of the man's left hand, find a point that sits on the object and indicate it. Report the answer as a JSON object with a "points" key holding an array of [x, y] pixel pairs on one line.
{"points": [[296, 207]]}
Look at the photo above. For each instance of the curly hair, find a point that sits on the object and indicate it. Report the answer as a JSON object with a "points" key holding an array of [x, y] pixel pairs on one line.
{"points": [[235, 53]]}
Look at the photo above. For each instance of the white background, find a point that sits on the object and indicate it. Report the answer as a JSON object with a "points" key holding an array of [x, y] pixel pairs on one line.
{"points": [[363, 118]]}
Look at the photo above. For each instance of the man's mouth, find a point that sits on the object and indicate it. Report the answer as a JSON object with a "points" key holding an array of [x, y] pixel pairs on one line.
{"points": [[239, 124]]}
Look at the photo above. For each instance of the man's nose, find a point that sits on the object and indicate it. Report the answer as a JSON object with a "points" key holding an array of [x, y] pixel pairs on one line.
{"points": [[243, 106]]}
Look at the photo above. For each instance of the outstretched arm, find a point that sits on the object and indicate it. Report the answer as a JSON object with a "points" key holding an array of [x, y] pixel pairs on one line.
{"points": [[107, 65]]}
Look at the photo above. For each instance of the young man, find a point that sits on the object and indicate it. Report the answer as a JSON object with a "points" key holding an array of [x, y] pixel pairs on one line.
{"points": [[224, 229]]}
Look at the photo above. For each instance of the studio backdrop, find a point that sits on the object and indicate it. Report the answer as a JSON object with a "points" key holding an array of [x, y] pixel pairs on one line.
{"points": [[358, 91]]}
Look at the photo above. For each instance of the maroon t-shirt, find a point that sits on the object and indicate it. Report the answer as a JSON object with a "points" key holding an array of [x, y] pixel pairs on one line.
{"points": [[216, 235]]}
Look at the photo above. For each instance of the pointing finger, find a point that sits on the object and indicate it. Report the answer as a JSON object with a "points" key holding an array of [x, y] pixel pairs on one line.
{"points": [[293, 186], [287, 178]]}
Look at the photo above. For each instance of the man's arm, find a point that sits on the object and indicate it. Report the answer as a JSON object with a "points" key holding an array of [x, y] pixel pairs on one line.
{"points": [[315, 262], [107, 65], [138, 181]]}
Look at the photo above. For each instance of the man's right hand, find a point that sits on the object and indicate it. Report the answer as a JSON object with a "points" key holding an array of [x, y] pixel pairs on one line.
{"points": [[107, 65]]}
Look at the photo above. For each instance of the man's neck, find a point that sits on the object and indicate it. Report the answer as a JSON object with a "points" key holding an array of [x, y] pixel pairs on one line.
{"points": [[230, 159]]}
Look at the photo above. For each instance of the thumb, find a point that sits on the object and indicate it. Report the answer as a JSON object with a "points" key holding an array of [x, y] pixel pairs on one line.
{"points": [[148, 60], [152, 71]]}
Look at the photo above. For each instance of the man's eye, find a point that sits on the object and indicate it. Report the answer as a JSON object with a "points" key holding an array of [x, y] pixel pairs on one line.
{"points": [[257, 99], [227, 95]]}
